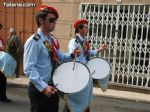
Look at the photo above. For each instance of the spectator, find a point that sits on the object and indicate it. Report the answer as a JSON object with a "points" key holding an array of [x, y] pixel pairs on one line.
{"points": [[14, 48]]}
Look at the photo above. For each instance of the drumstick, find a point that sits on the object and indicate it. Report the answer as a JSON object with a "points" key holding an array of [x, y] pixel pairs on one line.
{"points": [[75, 58], [74, 61]]}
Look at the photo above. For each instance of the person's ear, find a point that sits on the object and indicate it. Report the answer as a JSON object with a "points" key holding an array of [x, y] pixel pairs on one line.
{"points": [[41, 21], [80, 30]]}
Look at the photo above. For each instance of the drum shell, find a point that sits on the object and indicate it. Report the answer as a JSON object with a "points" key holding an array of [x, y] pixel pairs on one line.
{"points": [[80, 101]]}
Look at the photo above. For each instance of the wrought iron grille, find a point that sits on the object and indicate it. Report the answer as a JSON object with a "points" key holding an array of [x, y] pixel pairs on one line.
{"points": [[126, 29]]}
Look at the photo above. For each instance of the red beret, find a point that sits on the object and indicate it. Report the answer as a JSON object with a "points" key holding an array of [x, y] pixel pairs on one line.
{"points": [[50, 9], [79, 21]]}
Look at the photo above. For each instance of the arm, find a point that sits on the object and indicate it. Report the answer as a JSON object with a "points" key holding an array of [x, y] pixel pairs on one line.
{"points": [[63, 56], [100, 49], [93, 52]]}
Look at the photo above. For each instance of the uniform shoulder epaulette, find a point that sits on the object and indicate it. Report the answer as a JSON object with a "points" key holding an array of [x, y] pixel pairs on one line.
{"points": [[36, 37], [76, 41], [76, 38]]}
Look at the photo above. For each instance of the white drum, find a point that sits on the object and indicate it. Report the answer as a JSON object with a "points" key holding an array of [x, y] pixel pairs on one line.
{"points": [[71, 77], [99, 68]]}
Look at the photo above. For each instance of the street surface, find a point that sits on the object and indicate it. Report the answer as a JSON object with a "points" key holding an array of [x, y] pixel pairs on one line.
{"points": [[100, 104]]}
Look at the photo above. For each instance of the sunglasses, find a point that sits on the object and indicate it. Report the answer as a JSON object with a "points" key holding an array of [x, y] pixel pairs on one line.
{"points": [[52, 20], [86, 27]]}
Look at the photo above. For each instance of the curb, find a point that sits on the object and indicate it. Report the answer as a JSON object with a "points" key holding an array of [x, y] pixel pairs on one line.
{"points": [[17, 85], [122, 98], [21, 82], [125, 95]]}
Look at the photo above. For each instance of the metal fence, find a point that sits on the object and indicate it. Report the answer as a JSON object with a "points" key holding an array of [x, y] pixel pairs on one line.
{"points": [[126, 29]]}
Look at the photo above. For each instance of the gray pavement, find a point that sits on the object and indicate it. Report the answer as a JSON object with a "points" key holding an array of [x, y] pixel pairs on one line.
{"points": [[99, 103]]}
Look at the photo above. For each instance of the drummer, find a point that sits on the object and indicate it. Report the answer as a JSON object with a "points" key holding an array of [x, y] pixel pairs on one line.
{"points": [[41, 55], [3, 79], [79, 41]]}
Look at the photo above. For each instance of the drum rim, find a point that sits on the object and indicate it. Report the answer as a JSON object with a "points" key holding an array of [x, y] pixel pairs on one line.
{"points": [[73, 61], [80, 63], [103, 59]]}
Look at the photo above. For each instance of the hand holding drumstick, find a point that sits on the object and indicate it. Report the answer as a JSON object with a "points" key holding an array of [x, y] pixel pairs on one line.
{"points": [[103, 47], [76, 52]]}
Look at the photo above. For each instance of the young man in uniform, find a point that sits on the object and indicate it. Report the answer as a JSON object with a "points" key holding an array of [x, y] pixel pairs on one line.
{"points": [[41, 55], [79, 41]]}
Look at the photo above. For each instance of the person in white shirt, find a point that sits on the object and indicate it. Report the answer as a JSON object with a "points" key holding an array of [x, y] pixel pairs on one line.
{"points": [[79, 41]]}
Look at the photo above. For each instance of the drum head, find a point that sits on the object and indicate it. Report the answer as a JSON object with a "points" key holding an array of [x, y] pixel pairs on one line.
{"points": [[69, 80], [99, 68]]}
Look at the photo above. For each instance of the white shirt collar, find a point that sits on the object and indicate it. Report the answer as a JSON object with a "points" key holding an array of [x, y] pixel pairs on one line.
{"points": [[82, 39]]}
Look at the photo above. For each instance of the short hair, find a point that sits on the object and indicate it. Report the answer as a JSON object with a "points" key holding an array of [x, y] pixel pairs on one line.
{"points": [[80, 26], [42, 15], [12, 30]]}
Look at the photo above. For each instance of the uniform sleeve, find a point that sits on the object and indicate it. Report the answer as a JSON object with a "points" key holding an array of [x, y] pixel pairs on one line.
{"points": [[64, 56], [93, 52], [31, 52], [72, 46]]}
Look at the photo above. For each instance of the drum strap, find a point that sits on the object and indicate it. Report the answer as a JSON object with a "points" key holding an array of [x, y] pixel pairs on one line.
{"points": [[84, 44], [51, 50]]}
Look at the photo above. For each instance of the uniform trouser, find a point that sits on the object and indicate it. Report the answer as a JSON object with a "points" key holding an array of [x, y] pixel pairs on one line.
{"points": [[40, 102], [3, 81], [66, 109]]}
